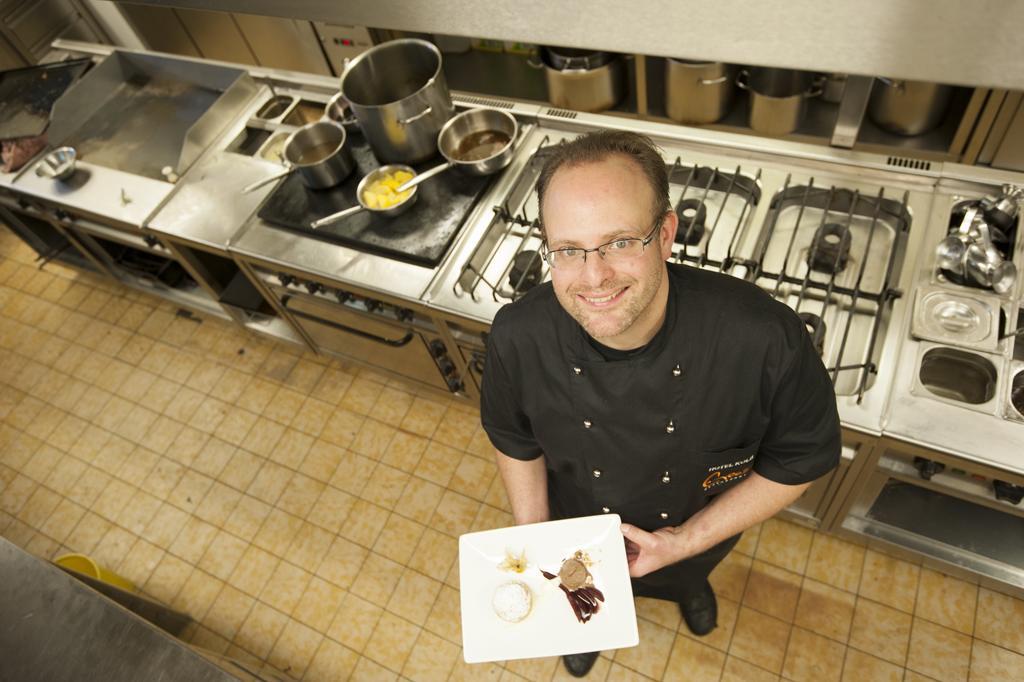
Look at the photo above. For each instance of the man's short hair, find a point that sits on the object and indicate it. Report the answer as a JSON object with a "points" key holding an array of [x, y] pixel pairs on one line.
{"points": [[598, 146]]}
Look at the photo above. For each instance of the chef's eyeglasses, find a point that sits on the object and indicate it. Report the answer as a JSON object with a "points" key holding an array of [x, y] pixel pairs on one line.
{"points": [[618, 250]]}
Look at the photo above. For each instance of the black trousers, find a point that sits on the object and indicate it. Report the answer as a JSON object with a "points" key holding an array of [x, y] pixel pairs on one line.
{"points": [[684, 579]]}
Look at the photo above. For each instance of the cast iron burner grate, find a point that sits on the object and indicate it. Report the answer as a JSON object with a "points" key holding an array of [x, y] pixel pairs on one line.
{"points": [[421, 236], [817, 293]]}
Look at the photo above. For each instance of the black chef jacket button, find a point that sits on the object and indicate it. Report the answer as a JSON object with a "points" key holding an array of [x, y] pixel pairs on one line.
{"points": [[577, 370], [605, 509], [665, 478], [587, 423], [597, 473], [676, 371], [663, 515], [670, 428]]}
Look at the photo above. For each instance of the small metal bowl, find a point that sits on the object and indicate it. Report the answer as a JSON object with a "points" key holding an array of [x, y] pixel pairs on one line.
{"points": [[58, 164], [338, 110]]}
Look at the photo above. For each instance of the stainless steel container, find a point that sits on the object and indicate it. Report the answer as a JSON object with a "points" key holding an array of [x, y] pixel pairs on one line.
{"points": [[834, 87], [908, 107], [777, 98], [697, 92], [584, 88], [318, 153], [398, 93]]}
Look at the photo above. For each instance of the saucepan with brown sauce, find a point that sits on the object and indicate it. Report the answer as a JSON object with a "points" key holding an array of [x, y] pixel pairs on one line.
{"points": [[476, 142], [317, 151]]}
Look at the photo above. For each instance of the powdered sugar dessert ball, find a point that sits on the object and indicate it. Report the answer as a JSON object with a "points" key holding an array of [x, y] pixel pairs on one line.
{"points": [[512, 601]]}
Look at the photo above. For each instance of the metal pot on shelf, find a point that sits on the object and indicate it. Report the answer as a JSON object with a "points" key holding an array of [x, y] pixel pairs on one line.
{"points": [[583, 80], [398, 93], [908, 107], [777, 97], [697, 92]]}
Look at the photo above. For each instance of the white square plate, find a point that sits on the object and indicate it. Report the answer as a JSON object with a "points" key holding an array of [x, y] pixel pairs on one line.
{"points": [[551, 628]]}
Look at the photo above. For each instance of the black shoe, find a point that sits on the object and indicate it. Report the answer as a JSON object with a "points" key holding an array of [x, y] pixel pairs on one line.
{"points": [[579, 665], [700, 611]]}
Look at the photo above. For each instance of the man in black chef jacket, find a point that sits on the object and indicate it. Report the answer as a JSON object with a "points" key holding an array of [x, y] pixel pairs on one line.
{"points": [[689, 402]]}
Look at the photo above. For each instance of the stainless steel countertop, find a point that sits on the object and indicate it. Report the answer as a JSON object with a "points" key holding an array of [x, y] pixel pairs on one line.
{"points": [[56, 628]]}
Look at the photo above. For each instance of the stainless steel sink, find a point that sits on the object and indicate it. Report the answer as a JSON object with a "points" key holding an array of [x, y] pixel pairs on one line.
{"points": [[958, 375]]}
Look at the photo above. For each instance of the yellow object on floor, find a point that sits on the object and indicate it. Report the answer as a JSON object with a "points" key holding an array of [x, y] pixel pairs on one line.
{"points": [[86, 566]]}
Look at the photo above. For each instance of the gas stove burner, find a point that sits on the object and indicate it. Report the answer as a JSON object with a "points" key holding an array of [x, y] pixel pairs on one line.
{"points": [[692, 213], [526, 271], [830, 248], [816, 328]]}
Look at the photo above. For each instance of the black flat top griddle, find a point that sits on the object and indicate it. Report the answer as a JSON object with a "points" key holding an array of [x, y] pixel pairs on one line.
{"points": [[28, 94], [421, 235]]}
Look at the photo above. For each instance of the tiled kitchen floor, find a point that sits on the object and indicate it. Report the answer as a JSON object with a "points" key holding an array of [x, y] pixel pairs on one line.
{"points": [[306, 513]]}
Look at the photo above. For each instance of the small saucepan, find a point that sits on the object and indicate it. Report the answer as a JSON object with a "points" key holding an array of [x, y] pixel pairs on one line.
{"points": [[318, 152], [382, 179], [476, 142]]}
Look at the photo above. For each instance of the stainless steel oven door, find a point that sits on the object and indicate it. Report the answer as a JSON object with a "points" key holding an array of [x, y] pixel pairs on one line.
{"points": [[338, 330], [961, 514]]}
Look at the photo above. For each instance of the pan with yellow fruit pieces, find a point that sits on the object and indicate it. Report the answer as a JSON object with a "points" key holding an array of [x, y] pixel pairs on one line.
{"points": [[377, 192]]}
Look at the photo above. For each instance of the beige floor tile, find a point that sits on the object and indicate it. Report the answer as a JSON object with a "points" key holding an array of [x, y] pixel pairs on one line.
{"points": [[404, 451], [193, 540], [247, 517], [341, 427], [939, 652], [784, 544], [457, 428], [488, 518], [658, 611], [190, 491], [254, 570], [880, 630], [738, 670], [313, 417], [241, 469], [364, 523], [139, 511], [228, 611], [392, 405], [309, 547], [299, 495], [721, 637], [342, 563], [414, 596], [377, 579], [257, 395], [454, 514], [651, 656], [760, 639], [361, 396], [63, 520], [391, 642], [291, 448], [438, 464], [198, 595], [445, 618], [332, 661], [1000, 620], [331, 386], [168, 578], [373, 439], [419, 500], [772, 590], [399, 538], [367, 670], [423, 417], [692, 661], [861, 667], [261, 629], [352, 473], [889, 581], [38, 507], [236, 425], [331, 509], [217, 504], [263, 438], [812, 658], [163, 478], [994, 664], [285, 587], [432, 658], [294, 648], [323, 460], [435, 554], [166, 524], [616, 673], [473, 477], [355, 622], [319, 605], [947, 601], [385, 486], [223, 555], [278, 533], [825, 610]]}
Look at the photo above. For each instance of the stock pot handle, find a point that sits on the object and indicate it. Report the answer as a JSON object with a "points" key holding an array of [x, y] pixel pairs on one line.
{"points": [[407, 121], [712, 81], [741, 79]]}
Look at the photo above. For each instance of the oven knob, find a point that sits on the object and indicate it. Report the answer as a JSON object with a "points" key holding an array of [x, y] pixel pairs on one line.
{"points": [[455, 384], [446, 365], [342, 296], [403, 314], [437, 348], [373, 306], [151, 241], [1008, 492], [63, 215], [314, 287], [928, 468], [284, 279]]}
